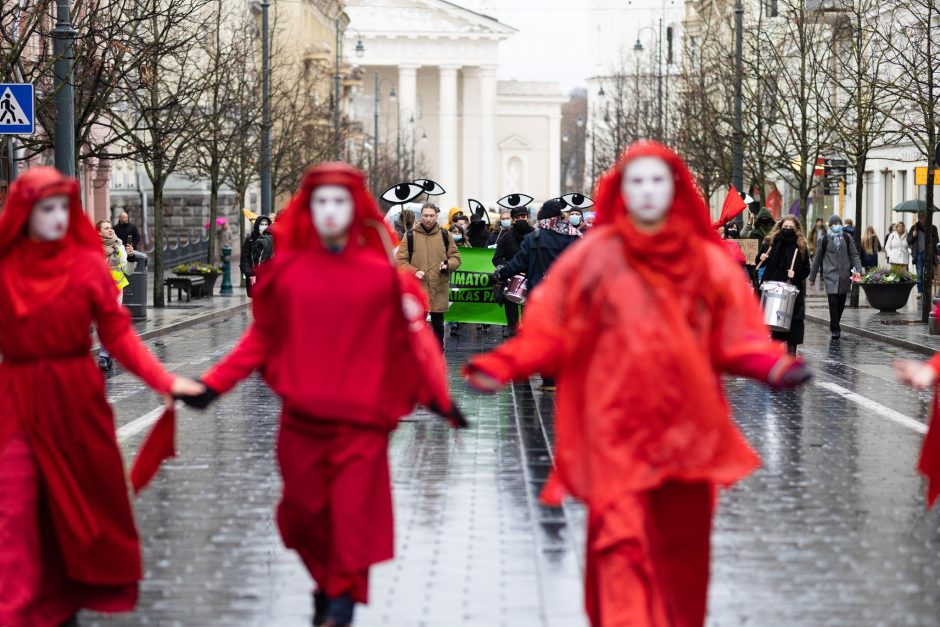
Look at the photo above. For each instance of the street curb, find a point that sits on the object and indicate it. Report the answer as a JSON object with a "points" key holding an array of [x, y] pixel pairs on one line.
{"points": [[186, 324], [878, 337]]}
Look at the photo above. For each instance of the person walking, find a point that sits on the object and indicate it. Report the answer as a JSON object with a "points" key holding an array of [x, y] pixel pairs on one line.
{"points": [[639, 327], [785, 258], [838, 262], [115, 254], [506, 249], [67, 535], [339, 335], [539, 250], [247, 263], [897, 249], [430, 254], [923, 250], [871, 246]]}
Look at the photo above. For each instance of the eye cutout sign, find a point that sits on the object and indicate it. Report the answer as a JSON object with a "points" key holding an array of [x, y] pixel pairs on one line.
{"points": [[430, 187], [513, 201], [402, 193], [577, 200]]}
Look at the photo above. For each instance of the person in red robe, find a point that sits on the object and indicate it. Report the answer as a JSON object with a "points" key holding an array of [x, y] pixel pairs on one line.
{"points": [[67, 534], [340, 335], [638, 325]]}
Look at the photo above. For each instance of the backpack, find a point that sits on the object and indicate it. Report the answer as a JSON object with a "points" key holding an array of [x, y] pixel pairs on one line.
{"points": [[411, 243]]}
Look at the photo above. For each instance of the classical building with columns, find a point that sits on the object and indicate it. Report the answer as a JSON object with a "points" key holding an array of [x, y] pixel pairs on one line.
{"points": [[429, 81]]}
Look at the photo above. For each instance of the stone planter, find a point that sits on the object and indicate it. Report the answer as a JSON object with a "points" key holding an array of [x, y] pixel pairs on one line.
{"points": [[210, 277], [888, 297]]}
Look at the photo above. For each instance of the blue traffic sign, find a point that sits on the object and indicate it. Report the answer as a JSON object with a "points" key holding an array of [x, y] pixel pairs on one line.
{"points": [[17, 112]]}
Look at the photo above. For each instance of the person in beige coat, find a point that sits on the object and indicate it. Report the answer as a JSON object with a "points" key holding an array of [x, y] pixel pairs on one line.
{"points": [[431, 254]]}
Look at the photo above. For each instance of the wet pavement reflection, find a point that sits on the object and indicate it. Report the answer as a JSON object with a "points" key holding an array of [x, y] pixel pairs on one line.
{"points": [[832, 530]]}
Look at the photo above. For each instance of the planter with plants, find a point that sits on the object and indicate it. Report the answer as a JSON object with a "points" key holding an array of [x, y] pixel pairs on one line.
{"points": [[209, 272], [888, 290]]}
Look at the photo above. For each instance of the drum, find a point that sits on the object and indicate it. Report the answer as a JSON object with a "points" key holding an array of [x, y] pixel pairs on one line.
{"points": [[778, 300], [517, 289]]}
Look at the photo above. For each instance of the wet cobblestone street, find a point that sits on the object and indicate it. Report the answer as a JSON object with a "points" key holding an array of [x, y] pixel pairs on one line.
{"points": [[831, 531]]}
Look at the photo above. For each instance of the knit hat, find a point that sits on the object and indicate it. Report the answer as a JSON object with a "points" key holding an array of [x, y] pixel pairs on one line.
{"points": [[551, 209], [835, 220]]}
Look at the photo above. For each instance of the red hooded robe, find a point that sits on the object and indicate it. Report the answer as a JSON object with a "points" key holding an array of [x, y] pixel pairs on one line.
{"points": [[59, 459], [638, 329], [341, 338]]}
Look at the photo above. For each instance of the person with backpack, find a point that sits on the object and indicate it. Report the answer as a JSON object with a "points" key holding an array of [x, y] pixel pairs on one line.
{"points": [[430, 254], [838, 260]]}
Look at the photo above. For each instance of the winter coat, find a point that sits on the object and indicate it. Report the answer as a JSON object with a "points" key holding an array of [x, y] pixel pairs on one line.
{"points": [[836, 264], [128, 233], [538, 252], [429, 253], [763, 224], [508, 245], [897, 249], [244, 262], [870, 260], [912, 237], [775, 269], [262, 249]]}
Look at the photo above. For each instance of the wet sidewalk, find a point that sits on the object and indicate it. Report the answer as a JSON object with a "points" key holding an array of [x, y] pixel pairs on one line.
{"points": [[903, 328], [180, 314]]}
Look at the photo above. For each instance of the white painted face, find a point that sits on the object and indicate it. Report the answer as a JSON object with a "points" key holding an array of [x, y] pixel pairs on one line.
{"points": [[648, 188], [49, 220], [331, 207]]}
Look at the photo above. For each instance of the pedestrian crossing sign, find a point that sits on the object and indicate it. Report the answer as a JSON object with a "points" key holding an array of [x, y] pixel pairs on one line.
{"points": [[17, 113]]}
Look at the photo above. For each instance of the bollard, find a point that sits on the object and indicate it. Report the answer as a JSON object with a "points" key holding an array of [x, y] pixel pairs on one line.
{"points": [[226, 289]]}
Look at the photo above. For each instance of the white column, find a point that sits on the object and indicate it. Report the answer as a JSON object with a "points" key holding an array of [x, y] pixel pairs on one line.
{"points": [[488, 156], [447, 135], [554, 157], [471, 179], [407, 99]]}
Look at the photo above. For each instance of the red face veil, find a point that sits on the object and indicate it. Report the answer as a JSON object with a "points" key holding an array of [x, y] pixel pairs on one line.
{"points": [[35, 272], [295, 230]]}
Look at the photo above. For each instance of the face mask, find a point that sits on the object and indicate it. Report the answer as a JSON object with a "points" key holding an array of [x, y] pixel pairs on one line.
{"points": [[788, 234], [457, 237], [575, 220], [505, 223], [262, 228], [647, 189], [331, 207], [49, 220], [836, 228]]}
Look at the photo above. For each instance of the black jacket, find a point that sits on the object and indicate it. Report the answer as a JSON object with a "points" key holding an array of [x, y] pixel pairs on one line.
{"points": [[538, 252], [128, 234], [507, 245], [244, 262], [262, 249], [775, 269]]}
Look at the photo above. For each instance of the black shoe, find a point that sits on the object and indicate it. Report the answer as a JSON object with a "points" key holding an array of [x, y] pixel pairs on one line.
{"points": [[505, 331], [72, 622], [320, 605], [106, 364], [340, 612], [836, 335]]}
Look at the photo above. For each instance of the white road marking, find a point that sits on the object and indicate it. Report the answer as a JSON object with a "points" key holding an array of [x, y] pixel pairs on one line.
{"points": [[878, 408], [139, 424]]}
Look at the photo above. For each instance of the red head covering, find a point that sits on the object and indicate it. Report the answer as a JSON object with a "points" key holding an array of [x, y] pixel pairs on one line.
{"points": [[295, 230], [34, 272]]}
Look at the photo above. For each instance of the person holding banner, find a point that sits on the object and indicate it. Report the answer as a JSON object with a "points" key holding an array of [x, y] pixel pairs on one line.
{"points": [[345, 377], [639, 328], [784, 256], [67, 534]]}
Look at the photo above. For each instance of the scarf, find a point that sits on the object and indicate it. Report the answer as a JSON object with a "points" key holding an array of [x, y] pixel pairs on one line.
{"points": [[36, 272], [112, 251], [559, 225], [836, 238]]}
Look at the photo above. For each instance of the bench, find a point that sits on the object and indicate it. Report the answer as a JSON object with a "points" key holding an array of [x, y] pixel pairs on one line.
{"points": [[194, 286]]}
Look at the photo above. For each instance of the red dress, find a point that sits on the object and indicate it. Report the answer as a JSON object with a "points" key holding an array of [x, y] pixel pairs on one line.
{"points": [[67, 534], [638, 329], [341, 338]]}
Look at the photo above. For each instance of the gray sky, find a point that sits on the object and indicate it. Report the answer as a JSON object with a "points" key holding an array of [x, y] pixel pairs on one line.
{"points": [[551, 44]]}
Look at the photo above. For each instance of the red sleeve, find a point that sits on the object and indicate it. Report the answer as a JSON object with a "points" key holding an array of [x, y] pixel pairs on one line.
{"points": [[538, 346], [935, 363], [251, 352], [118, 336]]}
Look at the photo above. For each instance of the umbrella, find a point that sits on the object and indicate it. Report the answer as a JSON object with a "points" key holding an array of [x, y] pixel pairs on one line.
{"points": [[914, 206]]}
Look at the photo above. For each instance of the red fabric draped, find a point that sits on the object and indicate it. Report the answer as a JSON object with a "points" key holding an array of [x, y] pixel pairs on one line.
{"points": [[157, 447], [36, 272]]}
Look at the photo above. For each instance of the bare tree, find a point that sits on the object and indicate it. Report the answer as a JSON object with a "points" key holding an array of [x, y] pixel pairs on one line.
{"points": [[907, 32], [163, 99]]}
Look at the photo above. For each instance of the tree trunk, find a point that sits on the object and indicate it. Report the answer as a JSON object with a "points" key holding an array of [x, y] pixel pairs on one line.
{"points": [[859, 195], [213, 214], [158, 240], [931, 251], [242, 231]]}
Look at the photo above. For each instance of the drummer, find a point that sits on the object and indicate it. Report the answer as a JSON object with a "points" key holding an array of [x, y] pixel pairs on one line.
{"points": [[784, 256]]}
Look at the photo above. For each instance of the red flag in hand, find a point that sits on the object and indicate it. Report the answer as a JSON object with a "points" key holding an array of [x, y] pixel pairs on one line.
{"points": [[731, 208], [159, 445]]}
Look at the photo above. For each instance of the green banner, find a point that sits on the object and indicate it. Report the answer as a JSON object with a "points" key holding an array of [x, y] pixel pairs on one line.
{"points": [[471, 289]]}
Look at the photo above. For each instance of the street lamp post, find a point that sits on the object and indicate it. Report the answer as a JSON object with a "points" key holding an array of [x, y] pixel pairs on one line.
{"points": [[375, 148], [336, 92], [737, 148], [579, 147], [63, 37], [266, 195], [638, 48]]}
